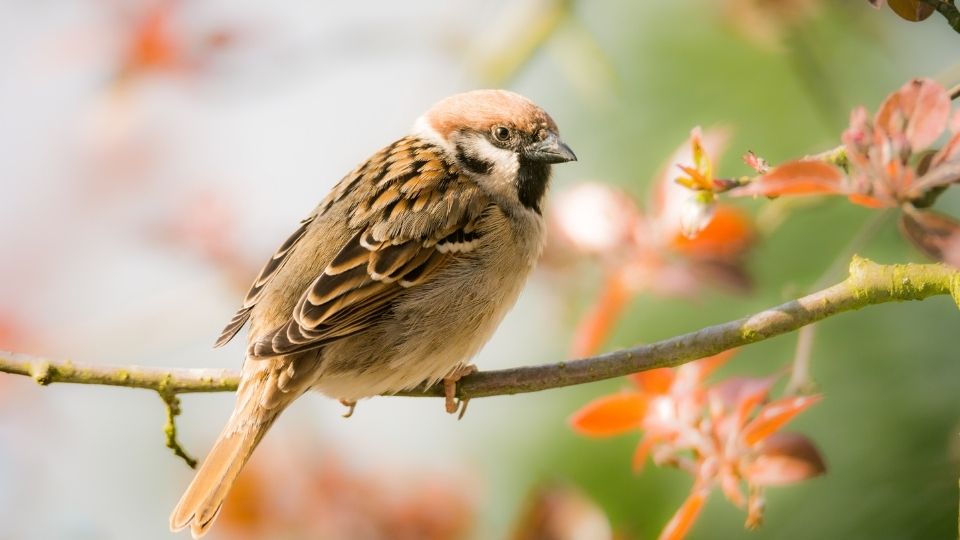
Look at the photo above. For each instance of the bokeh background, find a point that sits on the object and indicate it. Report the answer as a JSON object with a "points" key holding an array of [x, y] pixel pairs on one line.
{"points": [[153, 154]]}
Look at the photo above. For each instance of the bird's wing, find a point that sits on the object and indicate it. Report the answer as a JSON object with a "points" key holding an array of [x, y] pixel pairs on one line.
{"points": [[266, 274], [410, 213]]}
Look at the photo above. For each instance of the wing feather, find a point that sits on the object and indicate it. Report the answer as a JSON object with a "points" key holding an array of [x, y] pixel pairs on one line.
{"points": [[266, 274], [411, 212]]}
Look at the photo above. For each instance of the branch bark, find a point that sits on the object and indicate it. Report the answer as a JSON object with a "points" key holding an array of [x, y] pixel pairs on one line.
{"points": [[868, 283], [948, 9]]}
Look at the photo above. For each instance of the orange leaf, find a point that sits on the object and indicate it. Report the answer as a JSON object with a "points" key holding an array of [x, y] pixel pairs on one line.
{"points": [[730, 485], [774, 415], [681, 522], [928, 105], [801, 177], [597, 324], [729, 233], [153, 42], [741, 393], [920, 110], [656, 381], [641, 452], [868, 201], [784, 458], [694, 179], [950, 150], [752, 395], [712, 363], [610, 415]]}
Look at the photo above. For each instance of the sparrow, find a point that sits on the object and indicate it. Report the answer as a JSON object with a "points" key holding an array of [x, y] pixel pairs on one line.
{"points": [[396, 279]]}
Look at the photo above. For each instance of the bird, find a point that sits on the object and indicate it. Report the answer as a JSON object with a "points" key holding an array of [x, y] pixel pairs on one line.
{"points": [[396, 279]]}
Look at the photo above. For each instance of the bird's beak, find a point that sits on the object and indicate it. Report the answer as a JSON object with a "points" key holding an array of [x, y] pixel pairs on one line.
{"points": [[549, 150]]}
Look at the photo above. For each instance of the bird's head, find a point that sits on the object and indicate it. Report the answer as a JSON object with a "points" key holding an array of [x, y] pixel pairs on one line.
{"points": [[502, 139]]}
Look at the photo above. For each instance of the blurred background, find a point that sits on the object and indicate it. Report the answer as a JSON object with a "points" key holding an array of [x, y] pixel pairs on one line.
{"points": [[153, 155]]}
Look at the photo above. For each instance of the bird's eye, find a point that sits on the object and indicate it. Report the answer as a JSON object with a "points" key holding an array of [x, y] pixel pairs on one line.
{"points": [[502, 133]]}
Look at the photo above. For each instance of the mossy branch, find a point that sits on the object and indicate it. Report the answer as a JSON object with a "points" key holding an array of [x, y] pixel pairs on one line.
{"points": [[172, 403], [868, 284]]}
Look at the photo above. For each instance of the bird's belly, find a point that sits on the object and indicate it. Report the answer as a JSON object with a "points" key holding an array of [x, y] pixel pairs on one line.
{"points": [[430, 332]]}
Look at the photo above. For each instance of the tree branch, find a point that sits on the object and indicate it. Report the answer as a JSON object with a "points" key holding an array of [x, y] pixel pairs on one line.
{"points": [[172, 403], [162, 380], [949, 11], [869, 283]]}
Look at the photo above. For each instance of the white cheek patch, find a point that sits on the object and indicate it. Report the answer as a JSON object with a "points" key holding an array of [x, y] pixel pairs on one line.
{"points": [[504, 163]]}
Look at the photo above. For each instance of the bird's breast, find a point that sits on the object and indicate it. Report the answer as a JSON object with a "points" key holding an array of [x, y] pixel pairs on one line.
{"points": [[440, 325]]}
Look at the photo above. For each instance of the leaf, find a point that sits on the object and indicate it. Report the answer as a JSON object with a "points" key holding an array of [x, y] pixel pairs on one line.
{"points": [[928, 105], [727, 236], [869, 202], [734, 400], [911, 10], [756, 162], [949, 152], [785, 458], [920, 110], [730, 485], [801, 177], [654, 381], [774, 415], [641, 452], [925, 191], [668, 196], [610, 415], [153, 42], [709, 364], [683, 520], [936, 235], [592, 331], [741, 392], [659, 381], [755, 506], [858, 137]]}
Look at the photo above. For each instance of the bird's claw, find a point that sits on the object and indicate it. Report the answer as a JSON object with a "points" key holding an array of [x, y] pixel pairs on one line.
{"points": [[351, 405], [453, 405]]}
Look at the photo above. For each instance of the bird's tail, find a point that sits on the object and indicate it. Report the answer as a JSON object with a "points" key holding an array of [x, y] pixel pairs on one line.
{"points": [[201, 503]]}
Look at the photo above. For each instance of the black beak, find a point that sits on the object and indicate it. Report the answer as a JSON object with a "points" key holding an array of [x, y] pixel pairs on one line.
{"points": [[549, 150]]}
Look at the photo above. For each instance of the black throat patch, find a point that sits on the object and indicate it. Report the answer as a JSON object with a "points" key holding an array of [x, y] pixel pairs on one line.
{"points": [[473, 163], [532, 180]]}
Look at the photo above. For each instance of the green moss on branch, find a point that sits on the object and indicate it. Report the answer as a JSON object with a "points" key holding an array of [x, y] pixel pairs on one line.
{"points": [[868, 283]]}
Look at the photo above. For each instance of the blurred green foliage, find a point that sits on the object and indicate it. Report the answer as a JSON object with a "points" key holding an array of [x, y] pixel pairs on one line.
{"points": [[890, 421]]}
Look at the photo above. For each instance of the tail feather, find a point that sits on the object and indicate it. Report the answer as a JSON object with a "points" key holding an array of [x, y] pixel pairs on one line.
{"points": [[201, 502], [266, 389]]}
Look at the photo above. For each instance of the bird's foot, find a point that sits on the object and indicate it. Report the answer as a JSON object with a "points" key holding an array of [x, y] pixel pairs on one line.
{"points": [[450, 390], [351, 404]]}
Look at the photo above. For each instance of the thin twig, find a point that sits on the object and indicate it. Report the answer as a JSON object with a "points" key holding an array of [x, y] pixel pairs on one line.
{"points": [[868, 283], [172, 403], [801, 381]]}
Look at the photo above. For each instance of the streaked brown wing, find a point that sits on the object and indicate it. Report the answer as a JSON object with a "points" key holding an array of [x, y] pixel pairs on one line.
{"points": [[412, 213], [266, 274]]}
